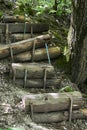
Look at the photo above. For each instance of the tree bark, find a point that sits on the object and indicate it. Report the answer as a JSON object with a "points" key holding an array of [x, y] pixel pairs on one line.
{"points": [[34, 70], [77, 40], [21, 36], [16, 18], [24, 27], [35, 126], [52, 102], [58, 116], [39, 55], [38, 83], [24, 45]]}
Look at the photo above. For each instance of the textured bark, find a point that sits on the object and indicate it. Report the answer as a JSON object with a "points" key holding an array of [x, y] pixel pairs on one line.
{"points": [[34, 70], [38, 83], [39, 55], [77, 40], [21, 36], [24, 45], [17, 18], [35, 126], [24, 27], [58, 116], [52, 102]]}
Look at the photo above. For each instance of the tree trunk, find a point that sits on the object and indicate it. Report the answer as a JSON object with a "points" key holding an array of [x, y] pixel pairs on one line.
{"points": [[77, 40]]}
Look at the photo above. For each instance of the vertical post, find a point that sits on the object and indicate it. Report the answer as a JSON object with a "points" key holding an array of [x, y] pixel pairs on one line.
{"points": [[49, 61], [31, 31], [1, 38], [33, 51], [45, 72], [7, 33]]}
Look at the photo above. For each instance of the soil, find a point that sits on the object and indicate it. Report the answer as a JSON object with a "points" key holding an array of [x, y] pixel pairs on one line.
{"points": [[12, 113]]}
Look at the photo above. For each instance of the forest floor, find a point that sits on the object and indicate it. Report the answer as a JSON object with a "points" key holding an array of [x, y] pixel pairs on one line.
{"points": [[12, 113]]}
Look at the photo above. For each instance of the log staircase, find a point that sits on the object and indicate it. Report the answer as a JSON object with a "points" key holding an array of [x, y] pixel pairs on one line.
{"points": [[27, 47]]}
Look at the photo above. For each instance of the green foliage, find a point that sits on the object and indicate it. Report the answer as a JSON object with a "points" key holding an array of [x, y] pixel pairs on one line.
{"points": [[37, 7], [24, 7], [66, 53], [84, 96], [64, 7], [1, 13], [66, 89], [62, 64]]}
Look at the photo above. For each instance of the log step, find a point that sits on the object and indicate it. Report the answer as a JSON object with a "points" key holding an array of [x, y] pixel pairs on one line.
{"points": [[15, 18], [24, 27], [24, 45], [21, 36], [52, 102], [56, 117], [38, 83], [39, 55], [34, 70]]}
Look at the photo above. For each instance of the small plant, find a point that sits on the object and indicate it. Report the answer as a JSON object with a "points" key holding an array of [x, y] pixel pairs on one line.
{"points": [[1, 13], [66, 89]]}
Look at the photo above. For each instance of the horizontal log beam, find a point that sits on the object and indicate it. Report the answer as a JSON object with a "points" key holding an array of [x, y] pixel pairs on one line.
{"points": [[58, 116], [38, 83], [35, 126], [51, 102], [24, 45], [24, 27], [21, 36], [34, 70], [16, 18], [39, 55]]}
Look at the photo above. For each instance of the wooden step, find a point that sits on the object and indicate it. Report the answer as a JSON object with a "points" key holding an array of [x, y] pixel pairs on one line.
{"points": [[23, 27], [34, 70], [56, 117], [39, 55], [25, 45], [52, 102]]}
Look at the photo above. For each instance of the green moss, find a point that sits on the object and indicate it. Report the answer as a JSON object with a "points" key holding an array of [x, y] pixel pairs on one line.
{"points": [[62, 63], [84, 95], [66, 89], [1, 13]]}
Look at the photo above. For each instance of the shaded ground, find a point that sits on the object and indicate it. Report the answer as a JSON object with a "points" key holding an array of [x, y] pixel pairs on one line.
{"points": [[12, 113]]}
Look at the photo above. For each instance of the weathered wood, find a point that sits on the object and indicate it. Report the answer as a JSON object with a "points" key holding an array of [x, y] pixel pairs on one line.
{"points": [[24, 45], [38, 83], [40, 54], [34, 70], [21, 36], [24, 27], [35, 126], [51, 102], [16, 18], [58, 116]]}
